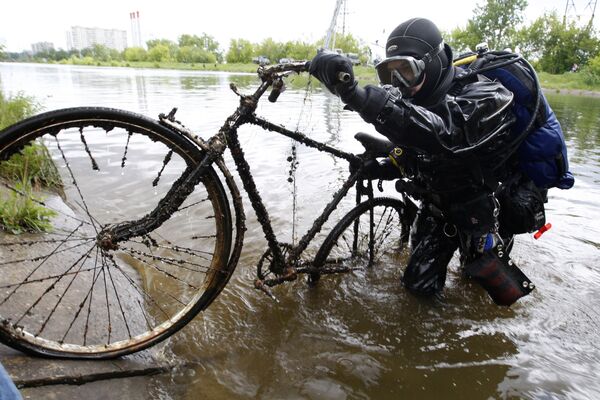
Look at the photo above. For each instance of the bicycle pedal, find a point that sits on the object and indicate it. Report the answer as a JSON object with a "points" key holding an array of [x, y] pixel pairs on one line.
{"points": [[260, 285]]}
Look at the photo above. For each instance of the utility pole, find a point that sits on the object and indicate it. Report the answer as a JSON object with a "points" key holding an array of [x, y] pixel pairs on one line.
{"points": [[330, 39], [593, 8], [570, 4], [570, 10]]}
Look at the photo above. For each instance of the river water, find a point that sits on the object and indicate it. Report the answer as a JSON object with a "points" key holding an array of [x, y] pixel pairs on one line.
{"points": [[363, 336]]}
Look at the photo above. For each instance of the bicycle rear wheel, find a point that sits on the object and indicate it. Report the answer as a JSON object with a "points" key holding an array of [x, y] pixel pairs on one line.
{"points": [[371, 234], [65, 176]]}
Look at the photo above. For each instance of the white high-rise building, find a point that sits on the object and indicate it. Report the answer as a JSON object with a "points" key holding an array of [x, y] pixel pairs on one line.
{"points": [[80, 38], [41, 47]]}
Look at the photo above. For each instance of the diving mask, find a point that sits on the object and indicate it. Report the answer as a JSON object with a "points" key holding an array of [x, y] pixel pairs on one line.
{"points": [[405, 71]]}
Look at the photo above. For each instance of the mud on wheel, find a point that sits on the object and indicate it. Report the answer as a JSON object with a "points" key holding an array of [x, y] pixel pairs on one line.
{"points": [[68, 290], [373, 232]]}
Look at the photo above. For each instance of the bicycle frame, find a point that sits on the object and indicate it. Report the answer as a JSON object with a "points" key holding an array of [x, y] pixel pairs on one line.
{"points": [[214, 147]]}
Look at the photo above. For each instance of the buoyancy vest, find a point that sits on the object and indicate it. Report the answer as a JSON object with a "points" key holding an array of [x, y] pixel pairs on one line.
{"points": [[542, 152]]}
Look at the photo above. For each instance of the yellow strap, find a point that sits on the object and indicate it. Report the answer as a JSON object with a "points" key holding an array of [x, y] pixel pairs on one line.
{"points": [[397, 152], [466, 60]]}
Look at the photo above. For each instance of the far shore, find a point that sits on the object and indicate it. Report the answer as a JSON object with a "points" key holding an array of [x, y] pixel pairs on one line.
{"points": [[567, 83]]}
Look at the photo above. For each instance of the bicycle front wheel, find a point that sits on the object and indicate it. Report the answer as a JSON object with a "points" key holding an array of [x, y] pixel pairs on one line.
{"points": [[65, 176], [371, 234]]}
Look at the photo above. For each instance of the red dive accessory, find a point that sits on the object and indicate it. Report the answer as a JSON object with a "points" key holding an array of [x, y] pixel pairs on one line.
{"points": [[543, 229]]}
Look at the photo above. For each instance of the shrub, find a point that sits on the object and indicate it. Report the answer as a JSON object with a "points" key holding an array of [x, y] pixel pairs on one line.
{"points": [[26, 171], [20, 212]]}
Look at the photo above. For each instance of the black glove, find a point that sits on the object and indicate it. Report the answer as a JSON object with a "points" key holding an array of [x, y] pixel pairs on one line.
{"points": [[326, 67], [370, 102]]}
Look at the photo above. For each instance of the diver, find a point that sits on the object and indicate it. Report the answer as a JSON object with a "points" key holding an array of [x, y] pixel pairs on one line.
{"points": [[459, 133]]}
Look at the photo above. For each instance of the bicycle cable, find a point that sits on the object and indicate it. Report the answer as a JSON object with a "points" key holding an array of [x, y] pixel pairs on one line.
{"points": [[293, 160]]}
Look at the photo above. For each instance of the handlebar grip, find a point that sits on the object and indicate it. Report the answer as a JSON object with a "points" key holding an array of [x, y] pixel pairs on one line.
{"points": [[274, 95], [278, 87]]}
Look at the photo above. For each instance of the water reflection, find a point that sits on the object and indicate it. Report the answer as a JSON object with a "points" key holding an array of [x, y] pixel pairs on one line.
{"points": [[140, 85], [579, 118]]}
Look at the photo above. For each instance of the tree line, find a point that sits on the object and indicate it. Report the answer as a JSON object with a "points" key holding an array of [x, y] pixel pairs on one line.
{"points": [[199, 49]]}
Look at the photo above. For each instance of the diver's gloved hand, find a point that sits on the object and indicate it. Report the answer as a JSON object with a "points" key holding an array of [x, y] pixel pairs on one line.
{"points": [[487, 242], [371, 102], [374, 169], [326, 67]]}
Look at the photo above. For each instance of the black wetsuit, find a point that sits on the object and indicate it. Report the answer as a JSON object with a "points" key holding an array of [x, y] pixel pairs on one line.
{"points": [[458, 181]]}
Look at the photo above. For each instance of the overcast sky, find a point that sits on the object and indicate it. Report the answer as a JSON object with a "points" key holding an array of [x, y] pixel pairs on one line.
{"points": [[23, 22]]}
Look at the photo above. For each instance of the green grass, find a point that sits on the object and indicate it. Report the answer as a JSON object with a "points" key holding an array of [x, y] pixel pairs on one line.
{"points": [[20, 212], [568, 81], [32, 166], [15, 109], [27, 172]]}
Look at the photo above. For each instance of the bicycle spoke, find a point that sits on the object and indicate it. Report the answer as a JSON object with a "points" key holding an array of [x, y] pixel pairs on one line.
{"points": [[164, 165], [52, 286], [64, 157], [140, 291], [170, 261], [87, 150], [62, 296], [33, 242], [163, 272], [87, 319], [129, 134], [35, 269], [92, 218], [192, 205], [119, 302], [104, 267], [186, 250], [347, 244], [47, 256], [30, 281]]}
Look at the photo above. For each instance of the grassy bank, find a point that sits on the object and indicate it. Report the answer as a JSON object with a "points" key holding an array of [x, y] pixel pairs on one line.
{"points": [[24, 175], [568, 81]]}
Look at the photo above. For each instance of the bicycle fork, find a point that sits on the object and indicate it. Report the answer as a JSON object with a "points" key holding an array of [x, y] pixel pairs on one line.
{"points": [[109, 237]]}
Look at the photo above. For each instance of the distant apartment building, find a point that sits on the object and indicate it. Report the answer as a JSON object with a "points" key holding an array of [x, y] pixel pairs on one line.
{"points": [[80, 38], [41, 47]]}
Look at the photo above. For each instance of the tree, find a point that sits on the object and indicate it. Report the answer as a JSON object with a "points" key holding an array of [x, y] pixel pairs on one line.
{"points": [[165, 44], [557, 46], [298, 50], [271, 49], [2, 54], [99, 52], [159, 52], [193, 54], [494, 22], [240, 51], [202, 45], [134, 54]]}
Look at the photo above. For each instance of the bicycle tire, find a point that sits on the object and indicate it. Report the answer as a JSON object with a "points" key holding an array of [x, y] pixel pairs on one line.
{"points": [[345, 248], [62, 293]]}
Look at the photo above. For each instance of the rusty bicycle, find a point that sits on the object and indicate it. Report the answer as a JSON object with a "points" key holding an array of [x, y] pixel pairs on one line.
{"points": [[143, 224]]}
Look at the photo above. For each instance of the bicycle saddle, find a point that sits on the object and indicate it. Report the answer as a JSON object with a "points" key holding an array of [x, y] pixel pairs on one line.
{"points": [[379, 145]]}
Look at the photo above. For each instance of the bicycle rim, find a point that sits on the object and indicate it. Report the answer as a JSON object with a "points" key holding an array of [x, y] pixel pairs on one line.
{"points": [[63, 294]]}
